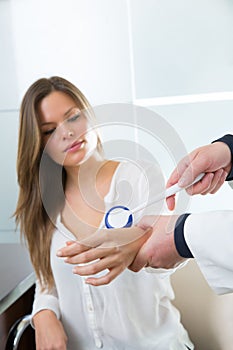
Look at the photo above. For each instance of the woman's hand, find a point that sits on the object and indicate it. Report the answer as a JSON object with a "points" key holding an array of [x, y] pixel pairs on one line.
{"points": [[113, 249], [50, 334]]}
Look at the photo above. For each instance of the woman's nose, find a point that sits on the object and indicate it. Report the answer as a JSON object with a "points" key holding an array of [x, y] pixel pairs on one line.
{"points": [[70, 133], [65, 132]]}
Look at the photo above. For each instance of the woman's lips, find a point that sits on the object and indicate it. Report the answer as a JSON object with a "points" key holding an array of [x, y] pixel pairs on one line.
{"points": [[75, 146]]}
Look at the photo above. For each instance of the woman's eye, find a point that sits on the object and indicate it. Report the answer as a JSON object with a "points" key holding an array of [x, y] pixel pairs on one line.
{"points": [[49, 132], [75, 117]]}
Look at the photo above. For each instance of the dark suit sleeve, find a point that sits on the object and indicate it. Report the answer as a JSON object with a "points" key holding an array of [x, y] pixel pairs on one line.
{"points": [[228, 140], [180, 243]]}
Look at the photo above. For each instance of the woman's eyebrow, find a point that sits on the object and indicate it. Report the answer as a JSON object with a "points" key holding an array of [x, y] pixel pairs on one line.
{"points": [[46, 123], [65, 114], [69, 110]]}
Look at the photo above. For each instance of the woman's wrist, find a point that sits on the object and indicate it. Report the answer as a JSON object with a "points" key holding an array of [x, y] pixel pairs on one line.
{"points": [[42, 314]]}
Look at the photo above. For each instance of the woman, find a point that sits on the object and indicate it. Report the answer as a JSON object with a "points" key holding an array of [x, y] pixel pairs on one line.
{"points": [[66, 186]]}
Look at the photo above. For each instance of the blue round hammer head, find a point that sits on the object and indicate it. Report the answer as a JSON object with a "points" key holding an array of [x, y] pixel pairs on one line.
{"points": [[118, 217]]}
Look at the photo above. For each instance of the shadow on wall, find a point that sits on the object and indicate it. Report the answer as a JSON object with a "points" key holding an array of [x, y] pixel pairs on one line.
{"points": [[207, 317]]}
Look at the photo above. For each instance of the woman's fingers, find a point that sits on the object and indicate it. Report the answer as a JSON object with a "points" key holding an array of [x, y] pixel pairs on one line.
{"points": [[106, 279], [90, 255], [95, 267], [72, 248]]}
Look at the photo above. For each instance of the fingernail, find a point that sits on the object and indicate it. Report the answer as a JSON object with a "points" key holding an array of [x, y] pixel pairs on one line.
{"points": [[59, 253], [182, 182]]}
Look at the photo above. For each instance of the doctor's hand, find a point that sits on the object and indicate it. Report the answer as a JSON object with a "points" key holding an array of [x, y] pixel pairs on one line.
{"points": [[214, 160], [159, 251], [107, 249]]}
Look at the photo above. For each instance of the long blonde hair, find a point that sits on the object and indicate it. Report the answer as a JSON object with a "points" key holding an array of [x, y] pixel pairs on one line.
{"points": [[36, 224]]}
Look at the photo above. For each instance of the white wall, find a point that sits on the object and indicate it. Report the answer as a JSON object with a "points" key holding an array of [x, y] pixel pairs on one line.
{"points": [[182, 46], [84, 41], [9, 124], [8, 83]]}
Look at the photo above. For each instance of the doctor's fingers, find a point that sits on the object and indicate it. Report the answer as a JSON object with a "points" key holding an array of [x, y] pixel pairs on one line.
{"points": [[182, 167], [210, 183], [218, 181], [91, 255], [201, 186], [171, 202]]}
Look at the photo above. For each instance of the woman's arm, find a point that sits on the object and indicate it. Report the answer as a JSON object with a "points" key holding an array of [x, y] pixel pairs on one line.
{"points": [[49, 331]]}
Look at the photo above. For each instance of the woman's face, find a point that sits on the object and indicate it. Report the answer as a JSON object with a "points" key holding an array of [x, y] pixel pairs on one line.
{"points": [[64, 129]]}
